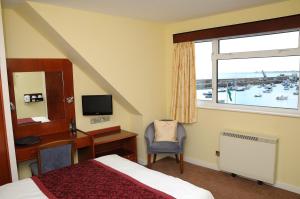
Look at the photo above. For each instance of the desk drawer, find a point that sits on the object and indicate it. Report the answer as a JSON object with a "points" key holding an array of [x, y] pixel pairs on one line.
{"points": [[26, 154], [83, 142]]}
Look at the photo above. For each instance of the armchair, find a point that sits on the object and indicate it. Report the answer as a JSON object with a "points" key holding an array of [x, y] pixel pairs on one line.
{"points": [[153, 148]]}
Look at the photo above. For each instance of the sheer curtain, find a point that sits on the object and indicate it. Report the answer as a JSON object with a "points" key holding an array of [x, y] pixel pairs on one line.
{"points": [[183, 105]]}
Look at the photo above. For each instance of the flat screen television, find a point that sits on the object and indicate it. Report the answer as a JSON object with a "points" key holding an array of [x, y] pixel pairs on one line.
{"points": [[97, 105]]}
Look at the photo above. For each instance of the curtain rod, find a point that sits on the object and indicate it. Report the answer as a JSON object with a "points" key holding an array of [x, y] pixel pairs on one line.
{"points": [[268, 25]]}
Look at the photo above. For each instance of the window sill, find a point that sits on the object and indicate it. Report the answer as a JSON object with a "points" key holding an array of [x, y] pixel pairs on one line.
{"points": [[249, 109]]}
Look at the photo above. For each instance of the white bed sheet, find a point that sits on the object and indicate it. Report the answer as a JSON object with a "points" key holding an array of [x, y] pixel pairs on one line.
{"points": [[26, 189]]}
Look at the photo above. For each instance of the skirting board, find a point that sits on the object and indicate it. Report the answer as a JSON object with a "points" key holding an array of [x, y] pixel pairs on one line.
{"points": [[142, 162], [287, 187], [213, 166], [202, 163]]}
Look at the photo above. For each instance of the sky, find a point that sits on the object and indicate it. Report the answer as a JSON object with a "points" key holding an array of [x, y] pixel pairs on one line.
{"points": [[203, 53]]}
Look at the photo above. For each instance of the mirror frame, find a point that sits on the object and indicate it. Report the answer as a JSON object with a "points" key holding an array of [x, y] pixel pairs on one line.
{"points": [[43, 65]]}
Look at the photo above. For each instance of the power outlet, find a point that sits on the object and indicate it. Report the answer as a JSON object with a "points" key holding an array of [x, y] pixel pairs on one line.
{"points": [[218, 153], [99, 119], [95, 120]]}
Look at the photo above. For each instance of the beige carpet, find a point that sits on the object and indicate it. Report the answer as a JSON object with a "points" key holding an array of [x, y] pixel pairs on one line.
{"points": [[220, 184]]}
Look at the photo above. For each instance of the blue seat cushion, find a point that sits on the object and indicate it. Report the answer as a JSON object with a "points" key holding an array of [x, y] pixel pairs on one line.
{"points": [[55, 157], [165, 147]]}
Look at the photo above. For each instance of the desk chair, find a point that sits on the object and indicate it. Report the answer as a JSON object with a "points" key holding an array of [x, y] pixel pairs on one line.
{"points": [[54, 155], [164, 147]]}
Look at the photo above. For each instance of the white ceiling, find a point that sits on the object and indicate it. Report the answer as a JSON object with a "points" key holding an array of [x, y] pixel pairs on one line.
{"points": [[157, 10]]}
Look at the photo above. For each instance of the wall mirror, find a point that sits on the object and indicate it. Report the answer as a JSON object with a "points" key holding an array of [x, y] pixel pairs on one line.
{"points": [[30, 97], [39, 96], [40, 92]]}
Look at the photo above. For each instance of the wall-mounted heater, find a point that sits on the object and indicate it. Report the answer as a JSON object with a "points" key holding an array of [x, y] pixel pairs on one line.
{"points": [[248, 155]]}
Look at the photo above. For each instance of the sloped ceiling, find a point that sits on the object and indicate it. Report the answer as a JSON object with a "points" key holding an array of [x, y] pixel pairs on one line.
{"points": [[123, 54]]}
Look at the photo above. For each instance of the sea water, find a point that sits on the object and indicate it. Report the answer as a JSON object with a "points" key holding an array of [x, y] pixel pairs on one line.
{"points": [[247, 97]]}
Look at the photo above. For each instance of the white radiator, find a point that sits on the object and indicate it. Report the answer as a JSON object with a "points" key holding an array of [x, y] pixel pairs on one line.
{"points": [[248, 155]]}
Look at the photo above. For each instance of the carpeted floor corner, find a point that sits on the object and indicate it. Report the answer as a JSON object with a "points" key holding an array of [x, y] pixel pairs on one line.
{"points": [[220, 184]]}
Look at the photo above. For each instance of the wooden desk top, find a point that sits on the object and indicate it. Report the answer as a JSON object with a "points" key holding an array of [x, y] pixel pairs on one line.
{"points": [[53, 137], [112, 136], [24, 153], [81, 139]]}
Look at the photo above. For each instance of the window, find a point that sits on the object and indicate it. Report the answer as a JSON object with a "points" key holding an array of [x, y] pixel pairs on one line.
{"points": [[203, 60], [261, 42], [256, 72]]}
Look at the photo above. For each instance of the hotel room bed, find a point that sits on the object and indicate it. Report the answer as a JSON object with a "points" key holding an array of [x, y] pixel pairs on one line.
{"points": [[120, 178]]}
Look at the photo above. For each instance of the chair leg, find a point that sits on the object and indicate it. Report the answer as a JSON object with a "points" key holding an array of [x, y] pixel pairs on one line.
{"points": [[176, 156], [154, 158], [181, 162], [149, 160]]}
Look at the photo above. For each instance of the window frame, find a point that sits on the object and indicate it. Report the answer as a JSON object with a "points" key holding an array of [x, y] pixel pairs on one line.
{"points": [[213, 104]]}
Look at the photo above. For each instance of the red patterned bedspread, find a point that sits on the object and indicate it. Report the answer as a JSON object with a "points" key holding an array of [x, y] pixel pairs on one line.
{"points": [[92, 179]]}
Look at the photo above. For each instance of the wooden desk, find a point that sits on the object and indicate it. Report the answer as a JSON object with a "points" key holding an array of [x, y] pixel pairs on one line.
{"points": [[118, 142], [89, 144], [24, 153]]}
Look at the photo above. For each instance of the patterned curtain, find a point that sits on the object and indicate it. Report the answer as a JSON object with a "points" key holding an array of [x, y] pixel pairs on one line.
{"points": [[183, 107]]}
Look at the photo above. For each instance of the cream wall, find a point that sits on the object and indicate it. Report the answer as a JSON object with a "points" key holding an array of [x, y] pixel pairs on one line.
{"points": [[128, 54], [203, 136], [29, 45], [120, 115], [128, 62]]}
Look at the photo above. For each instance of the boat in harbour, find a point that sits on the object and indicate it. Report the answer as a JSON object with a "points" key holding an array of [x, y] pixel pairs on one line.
{"points": [[268, 89], [208, 94], [258, 95], [269, 86], [281, 97], [221, 90], [240, 89], [285, 83]]}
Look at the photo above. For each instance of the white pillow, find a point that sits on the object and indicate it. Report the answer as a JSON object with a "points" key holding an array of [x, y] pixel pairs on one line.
{"points": [[165, 131]]}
